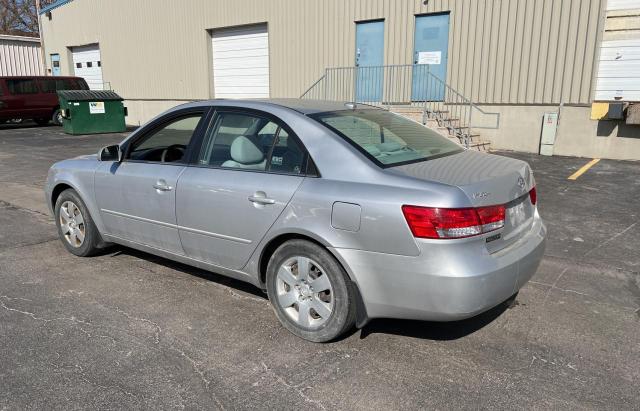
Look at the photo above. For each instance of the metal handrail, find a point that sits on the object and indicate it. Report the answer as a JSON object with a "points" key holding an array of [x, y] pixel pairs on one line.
{"points": [[312, 86], [403, 84]]}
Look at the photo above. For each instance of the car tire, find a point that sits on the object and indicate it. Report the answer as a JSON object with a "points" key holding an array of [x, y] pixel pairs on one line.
{"points": [[57, 117], [318, 315], [76, 228], [41, 121]]}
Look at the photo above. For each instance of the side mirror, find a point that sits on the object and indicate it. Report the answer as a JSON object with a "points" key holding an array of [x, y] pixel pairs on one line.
{"points": [[110, 153]]}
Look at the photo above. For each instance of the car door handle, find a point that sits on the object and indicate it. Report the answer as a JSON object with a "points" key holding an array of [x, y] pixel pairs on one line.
{"points": [[262, 200], [162, 186]]}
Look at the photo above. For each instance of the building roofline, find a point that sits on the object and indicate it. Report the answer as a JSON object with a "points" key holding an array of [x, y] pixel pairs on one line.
{"points": [[19, 38], [54, 5]]}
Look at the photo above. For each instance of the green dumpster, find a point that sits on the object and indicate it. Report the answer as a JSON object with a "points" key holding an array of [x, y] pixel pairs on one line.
{"points": [[91, 111]]}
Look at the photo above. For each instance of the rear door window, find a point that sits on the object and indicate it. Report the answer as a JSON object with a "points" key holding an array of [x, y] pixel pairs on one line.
{"points": [[22, 86], [250, 142]]}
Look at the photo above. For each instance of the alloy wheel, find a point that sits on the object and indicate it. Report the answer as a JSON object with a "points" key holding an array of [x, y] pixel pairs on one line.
{"points": [[304, 292], [72, 224]]}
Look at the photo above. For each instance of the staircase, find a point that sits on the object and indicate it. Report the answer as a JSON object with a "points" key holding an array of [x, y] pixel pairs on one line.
{"points": [[412, 91], [443, 123]]}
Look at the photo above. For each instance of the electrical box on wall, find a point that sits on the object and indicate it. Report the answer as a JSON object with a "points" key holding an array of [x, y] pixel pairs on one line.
{"points": [[548, 137]]}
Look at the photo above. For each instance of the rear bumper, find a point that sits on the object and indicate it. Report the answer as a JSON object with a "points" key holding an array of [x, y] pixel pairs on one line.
{"points": [[449, 280]]}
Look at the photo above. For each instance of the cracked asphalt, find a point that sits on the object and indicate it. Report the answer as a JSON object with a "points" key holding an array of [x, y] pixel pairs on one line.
{"points": [[127, 330]]}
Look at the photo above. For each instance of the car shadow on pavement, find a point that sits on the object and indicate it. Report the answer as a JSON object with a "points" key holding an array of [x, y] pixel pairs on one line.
{"points": [[431, 330], [191, 270]]}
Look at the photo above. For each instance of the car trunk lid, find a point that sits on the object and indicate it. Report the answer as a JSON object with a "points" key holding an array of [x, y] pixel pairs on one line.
{"points": [[486, 180]]}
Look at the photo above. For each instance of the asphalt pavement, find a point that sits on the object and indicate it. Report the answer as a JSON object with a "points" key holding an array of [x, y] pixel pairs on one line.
{"points": [[127, 330]]}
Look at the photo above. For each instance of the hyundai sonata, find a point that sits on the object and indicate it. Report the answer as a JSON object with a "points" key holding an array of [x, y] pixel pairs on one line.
{"points": [[341, 212]]}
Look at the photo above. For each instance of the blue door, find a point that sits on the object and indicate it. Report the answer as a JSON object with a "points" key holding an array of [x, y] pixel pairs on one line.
{"points": [[369, 60], [55, 64], [431, 49]]}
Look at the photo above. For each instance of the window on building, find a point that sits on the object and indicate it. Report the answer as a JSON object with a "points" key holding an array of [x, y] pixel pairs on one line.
{"points": [[20, 86], [89, 64], [78, 65], [99, 64]]}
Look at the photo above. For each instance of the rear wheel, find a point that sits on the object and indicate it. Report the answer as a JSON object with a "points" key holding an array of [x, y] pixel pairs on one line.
{"points": [[57, 117], [76, 229], [41, 121], [310, 292]]}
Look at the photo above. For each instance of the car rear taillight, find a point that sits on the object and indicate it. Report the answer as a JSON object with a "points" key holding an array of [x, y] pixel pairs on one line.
{"points": [[430, 222], [533, 196]]}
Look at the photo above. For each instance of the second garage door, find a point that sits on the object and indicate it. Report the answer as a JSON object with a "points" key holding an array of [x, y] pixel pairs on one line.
{"points": [[87, 64], [241, 62]]}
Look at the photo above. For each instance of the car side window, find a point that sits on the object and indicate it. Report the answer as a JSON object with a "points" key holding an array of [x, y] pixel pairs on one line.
{"points": [[238, 141], [48, 85], [22, 86], [168, 143], [286, 156], [250, 142]]}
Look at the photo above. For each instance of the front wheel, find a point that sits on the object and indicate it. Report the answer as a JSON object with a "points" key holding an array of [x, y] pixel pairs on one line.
{"points": [[76, 229], [310, 291]]}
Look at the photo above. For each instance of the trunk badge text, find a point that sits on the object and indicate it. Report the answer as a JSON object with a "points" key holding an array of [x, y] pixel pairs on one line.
{"points": [[481, 194]]}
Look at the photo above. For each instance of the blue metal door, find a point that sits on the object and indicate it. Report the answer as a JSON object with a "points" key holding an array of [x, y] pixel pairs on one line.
{"points": [[369, 60], [55, 64], [431, 49]]}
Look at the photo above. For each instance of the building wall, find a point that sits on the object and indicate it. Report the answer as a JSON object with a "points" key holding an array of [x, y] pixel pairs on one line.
{"points": [[20, 56], [520, 58], [576, 135], [501, 51]]}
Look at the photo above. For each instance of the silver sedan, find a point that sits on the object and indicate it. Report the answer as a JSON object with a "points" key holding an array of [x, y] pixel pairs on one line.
{"points": [[341, 212]]}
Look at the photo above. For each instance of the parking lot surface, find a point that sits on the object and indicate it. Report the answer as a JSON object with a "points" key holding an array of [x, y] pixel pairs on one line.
{"points": [[130, 330]]}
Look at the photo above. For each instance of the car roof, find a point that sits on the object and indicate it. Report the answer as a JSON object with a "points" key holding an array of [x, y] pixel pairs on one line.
{"points": [[302, 106]]}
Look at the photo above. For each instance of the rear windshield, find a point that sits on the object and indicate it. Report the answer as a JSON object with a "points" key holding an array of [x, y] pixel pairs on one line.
{"points": [[387, 138]]}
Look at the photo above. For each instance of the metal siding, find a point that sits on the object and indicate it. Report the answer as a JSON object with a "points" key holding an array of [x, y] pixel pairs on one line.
{"points": [[20, 58], [500, 51]]}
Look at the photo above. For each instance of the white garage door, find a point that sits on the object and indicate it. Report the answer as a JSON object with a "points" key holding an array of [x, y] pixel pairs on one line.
{"points": [[87, 64], [619, 70], [241, 62]]}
